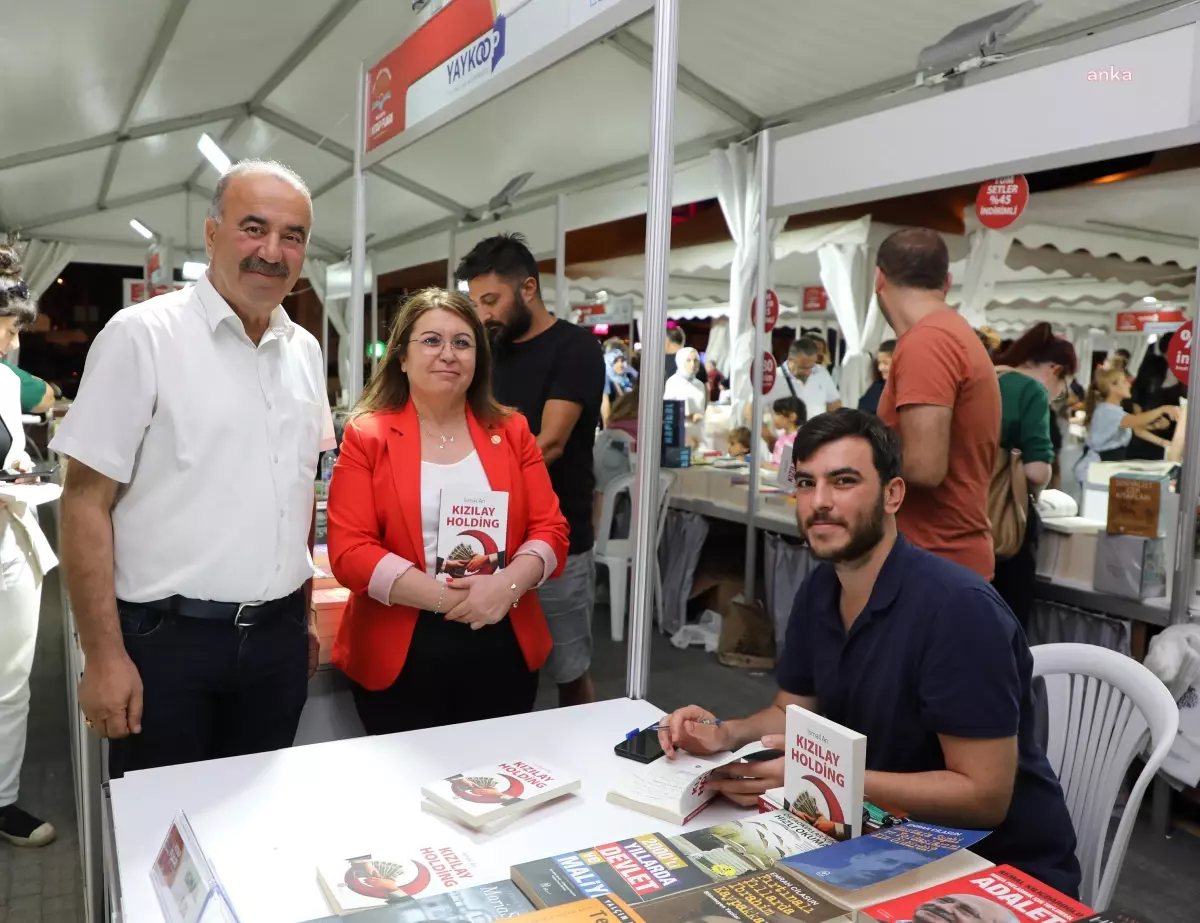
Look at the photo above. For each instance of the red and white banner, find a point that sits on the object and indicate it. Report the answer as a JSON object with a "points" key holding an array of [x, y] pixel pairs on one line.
{"points": [[815, 299], [613, 311], [769, 367], [1179, 353], [772, 317], [467, 45], [1136, 321], [1000, 202], [135, 290]]}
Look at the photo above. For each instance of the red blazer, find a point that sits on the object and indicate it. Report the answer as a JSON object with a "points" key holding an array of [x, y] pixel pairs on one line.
{"points": [[375, 508]]}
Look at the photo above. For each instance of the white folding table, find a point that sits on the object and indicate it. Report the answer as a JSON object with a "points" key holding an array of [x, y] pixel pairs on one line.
{"points": [[265, 821]]}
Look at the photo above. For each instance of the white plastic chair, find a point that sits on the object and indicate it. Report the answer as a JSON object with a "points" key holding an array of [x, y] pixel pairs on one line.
{"points": [[617, 553], [1103, 706]]}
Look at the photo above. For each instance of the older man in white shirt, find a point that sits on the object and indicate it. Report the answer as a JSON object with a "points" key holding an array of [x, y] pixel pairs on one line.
{"points": [[188, 508], [804, 377]]}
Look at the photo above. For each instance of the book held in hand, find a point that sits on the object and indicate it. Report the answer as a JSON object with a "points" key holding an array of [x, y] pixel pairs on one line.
{"points": [[472, 533], [1001, 893], [481, 797], [824, 773], [675, 790], [374, 880], [653, 866], [868, 860]]}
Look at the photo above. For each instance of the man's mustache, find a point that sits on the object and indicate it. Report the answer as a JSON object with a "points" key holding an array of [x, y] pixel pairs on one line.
{"points": [[255, 264], [819, 519]]}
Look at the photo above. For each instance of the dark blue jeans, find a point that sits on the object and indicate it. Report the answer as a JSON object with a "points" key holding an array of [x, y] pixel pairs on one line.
{"points": [[212, 689]]}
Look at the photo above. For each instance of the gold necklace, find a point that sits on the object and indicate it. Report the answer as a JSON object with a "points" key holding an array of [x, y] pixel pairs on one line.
{"points": [[443, 440]]}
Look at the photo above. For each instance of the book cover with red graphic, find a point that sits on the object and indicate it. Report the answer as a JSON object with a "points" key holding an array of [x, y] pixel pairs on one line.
{"points": [[472, 533], [377, 879], [824, 773], [480, 797], [996, 895]]}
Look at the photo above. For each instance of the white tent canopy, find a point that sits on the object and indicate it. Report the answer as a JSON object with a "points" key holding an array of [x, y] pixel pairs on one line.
{"points": [[109, 133]]}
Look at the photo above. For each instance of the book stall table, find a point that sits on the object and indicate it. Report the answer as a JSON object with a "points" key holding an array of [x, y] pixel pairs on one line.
{"points": [[266, 821]]}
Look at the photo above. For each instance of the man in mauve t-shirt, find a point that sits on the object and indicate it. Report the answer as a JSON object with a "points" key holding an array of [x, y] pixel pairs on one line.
{"points": [[942, 398]]}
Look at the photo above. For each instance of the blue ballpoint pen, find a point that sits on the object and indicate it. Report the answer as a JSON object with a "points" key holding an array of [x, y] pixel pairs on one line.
{"points": [[712, 722]]}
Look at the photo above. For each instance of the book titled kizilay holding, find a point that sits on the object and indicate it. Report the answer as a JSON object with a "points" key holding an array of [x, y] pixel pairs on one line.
{"points": [[472, 533], [824, 773], [480, 797]]}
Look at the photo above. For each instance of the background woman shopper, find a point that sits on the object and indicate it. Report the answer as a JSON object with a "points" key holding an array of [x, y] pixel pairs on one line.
{"points": [[25, 558], [422, 653], [1033, 372]]}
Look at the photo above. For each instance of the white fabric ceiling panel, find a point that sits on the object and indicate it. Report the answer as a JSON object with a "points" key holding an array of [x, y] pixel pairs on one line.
{"points": [[587, 112], [38, 189], [1159, 204], [70, 68], [777, 55], [258, 139], [536, 227], [694, 182], [223, 51], [160, 160], [167, 217], [320, 92], [390, 210], [426, 250]]}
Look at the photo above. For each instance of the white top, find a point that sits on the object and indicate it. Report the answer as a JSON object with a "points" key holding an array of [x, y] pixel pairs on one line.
{"points": [[465, 474], [817, 392], [689, 389], [19, 501], [217, 441]]}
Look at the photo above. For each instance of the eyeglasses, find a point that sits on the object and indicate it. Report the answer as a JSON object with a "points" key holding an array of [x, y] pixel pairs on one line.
{"points": [[433, 343]]}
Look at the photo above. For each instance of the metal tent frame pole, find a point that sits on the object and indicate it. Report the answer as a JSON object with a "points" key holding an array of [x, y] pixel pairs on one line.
{"points": [[756, 364], [374, 318], [650, 404], [358, 252], [561, 307], [1183, 583]]}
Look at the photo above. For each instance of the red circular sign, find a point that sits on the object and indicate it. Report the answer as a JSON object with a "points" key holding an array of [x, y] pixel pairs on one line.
{"points": [[772, 311], [1001, 201], [768, 373], [1179, 353]]}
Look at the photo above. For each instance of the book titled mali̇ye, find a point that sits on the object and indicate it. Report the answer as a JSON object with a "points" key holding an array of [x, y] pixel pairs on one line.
{"points": [[480, 797], [654, 866], [824, 774], [472, 533]]}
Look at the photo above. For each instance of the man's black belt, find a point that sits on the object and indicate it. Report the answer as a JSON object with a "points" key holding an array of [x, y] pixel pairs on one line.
{"points": [[241, 614]]}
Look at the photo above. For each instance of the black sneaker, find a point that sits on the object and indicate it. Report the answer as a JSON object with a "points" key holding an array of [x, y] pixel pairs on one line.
{"points": [[23, 829]]}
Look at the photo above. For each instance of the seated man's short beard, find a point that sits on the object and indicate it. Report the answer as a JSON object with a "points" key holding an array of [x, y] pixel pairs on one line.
{"points": [[863, 538]]}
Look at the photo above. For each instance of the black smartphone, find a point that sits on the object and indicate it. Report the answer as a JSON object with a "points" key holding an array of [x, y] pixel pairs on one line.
{"points": [[642, 747], [40, 470]]}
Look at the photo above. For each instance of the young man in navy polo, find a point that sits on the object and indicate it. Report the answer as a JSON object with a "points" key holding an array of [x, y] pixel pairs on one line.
{"points": [[918, 653]]}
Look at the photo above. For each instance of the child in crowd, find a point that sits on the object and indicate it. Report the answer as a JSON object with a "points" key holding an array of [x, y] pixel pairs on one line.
{"points": [[1110, 428], [739, 442], [790, 414]]}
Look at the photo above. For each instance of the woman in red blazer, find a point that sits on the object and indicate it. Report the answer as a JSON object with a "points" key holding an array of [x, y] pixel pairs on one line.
{"points": [[421, 652]]}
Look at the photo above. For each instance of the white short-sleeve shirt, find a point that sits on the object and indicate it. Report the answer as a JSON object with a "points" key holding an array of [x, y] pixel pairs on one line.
{"points": [[817, 392], [215, 440]]}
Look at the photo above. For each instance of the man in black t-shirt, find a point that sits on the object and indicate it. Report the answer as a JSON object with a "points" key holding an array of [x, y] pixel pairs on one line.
{"points": [[553, 372]]}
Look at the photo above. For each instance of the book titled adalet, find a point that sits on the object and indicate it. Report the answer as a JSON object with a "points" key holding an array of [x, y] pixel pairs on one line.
{"points": [[472, 533]]}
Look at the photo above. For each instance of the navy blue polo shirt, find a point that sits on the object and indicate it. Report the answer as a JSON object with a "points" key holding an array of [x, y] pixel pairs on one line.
{"points": [[936, 651]]}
